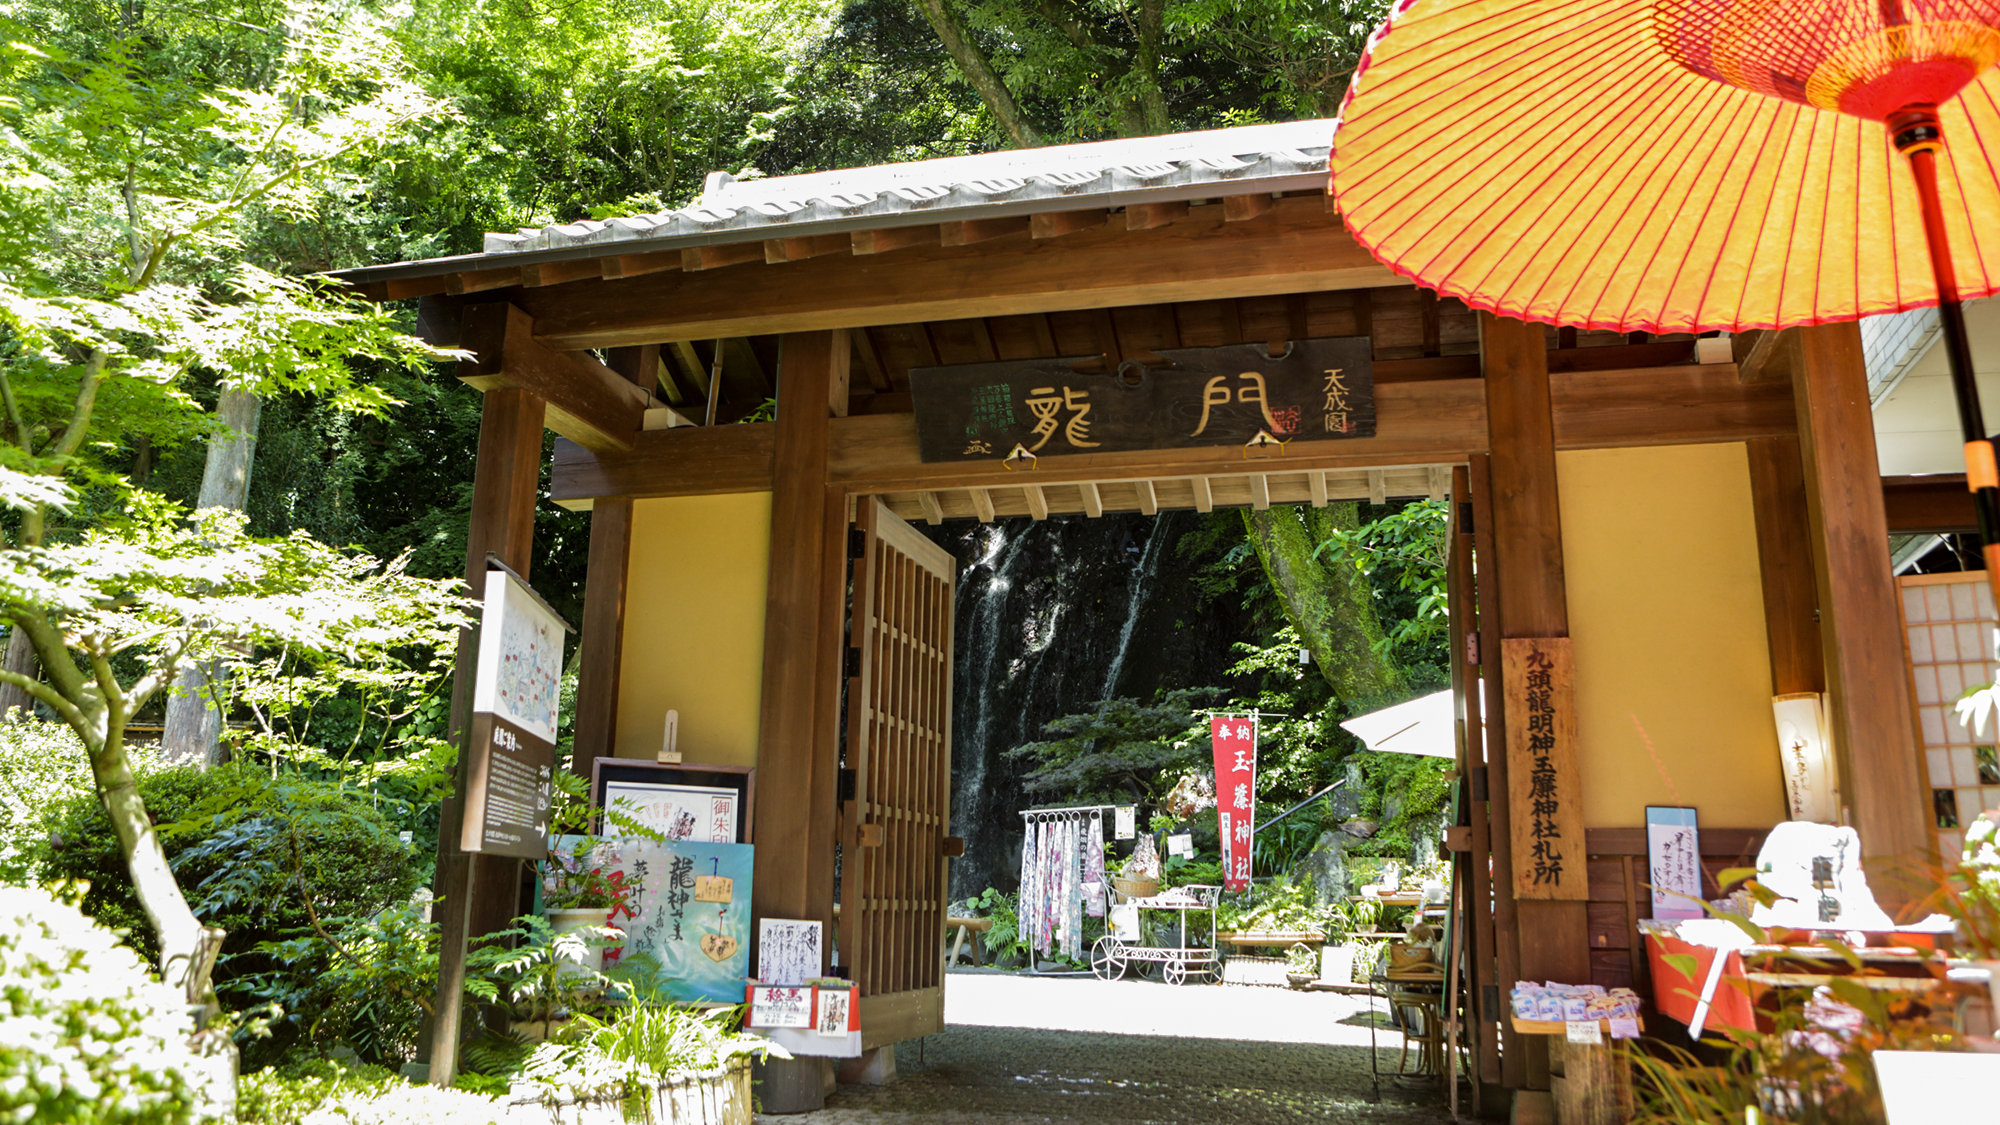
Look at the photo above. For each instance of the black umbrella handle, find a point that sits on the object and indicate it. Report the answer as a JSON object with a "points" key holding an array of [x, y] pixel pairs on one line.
{"points": [[1919, 136]]}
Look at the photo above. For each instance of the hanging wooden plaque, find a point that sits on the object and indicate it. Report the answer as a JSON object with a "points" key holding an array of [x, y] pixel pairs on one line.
{"points": [[1545, 794], [1318, 390]]}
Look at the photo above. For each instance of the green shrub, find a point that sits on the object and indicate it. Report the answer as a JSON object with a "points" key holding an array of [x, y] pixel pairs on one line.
{"points": [[43, 771], [87, 1036], [324, 1092], [255, 854]]}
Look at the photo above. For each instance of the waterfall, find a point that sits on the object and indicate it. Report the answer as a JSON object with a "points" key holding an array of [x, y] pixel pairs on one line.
{"points": [[1142, 580]]}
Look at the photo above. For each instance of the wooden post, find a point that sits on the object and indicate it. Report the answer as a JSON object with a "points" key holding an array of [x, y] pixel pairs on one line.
{"points": [[1475, 866], [1554, 935], [1785, 558], [603, 639], [796, 771], [1870, 706], [477, 895]]}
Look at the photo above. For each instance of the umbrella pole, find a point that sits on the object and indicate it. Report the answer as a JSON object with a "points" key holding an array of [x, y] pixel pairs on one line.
{"points": [[1919, 137]]}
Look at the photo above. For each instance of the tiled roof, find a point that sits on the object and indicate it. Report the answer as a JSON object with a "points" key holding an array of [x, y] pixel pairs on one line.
{"points": [[1251, 158]]}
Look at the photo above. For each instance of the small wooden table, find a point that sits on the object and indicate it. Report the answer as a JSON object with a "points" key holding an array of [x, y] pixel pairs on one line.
{"points": [[964, 926]]}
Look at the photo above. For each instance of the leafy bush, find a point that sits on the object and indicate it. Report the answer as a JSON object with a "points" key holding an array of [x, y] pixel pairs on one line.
{"points": [[86, 1034], [624, 1060], [324, 1092], [261, 856], [43, 770], [1005, 938]]}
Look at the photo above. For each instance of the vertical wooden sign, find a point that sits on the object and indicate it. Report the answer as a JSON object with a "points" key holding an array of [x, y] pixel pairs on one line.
{"points": [[1545, 795]]}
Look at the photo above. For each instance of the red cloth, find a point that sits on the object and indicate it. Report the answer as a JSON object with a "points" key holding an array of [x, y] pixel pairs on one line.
{"points": [[1675, 995], [1235, 744]]}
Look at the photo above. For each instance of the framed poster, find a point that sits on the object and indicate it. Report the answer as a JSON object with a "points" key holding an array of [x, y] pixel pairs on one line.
{"points": [[692, 912], [708, 804]]}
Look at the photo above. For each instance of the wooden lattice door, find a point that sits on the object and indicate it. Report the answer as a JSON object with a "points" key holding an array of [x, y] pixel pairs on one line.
{"points": [[896, 825]]}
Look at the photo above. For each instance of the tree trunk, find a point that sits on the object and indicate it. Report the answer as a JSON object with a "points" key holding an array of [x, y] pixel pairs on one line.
{"points": [[20, 660], [1151, 98], [1331, 608], [978, 70], [194, 716]]}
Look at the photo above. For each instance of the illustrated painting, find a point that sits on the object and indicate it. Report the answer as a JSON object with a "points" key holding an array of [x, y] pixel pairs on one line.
{"points": [[520, 657], [691, 913], [678, 812]]}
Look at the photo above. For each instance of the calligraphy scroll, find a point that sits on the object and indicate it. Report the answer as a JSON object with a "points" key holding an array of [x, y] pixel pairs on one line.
{"points": [[1545, 795], [1193, 397], [1234, 738]]}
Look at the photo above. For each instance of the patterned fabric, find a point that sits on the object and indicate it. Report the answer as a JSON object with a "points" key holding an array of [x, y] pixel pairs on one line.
{"points": [[1093, 867]]}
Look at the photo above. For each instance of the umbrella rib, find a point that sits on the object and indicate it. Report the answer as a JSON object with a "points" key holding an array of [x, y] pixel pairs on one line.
{"points": [[1964, 199], [1729, 227]]}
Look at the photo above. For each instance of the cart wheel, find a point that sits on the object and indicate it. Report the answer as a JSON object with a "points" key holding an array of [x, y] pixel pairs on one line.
{"points": [[1107, 958], [1174, 972]]}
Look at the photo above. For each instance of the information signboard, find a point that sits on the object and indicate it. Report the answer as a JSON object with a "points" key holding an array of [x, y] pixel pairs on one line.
{"points": [[511, 742]]}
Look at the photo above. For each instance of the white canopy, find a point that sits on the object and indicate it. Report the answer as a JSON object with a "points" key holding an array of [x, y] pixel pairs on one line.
{"points": [[1424, 725]]}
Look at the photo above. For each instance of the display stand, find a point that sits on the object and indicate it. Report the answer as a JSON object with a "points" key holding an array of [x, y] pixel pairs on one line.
{"points": [[1110, 956]]}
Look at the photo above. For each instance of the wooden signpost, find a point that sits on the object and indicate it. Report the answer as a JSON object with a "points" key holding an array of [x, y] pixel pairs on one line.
{"points": [[1545, 794], [508, 790], [510, 777], [1318, 390]]}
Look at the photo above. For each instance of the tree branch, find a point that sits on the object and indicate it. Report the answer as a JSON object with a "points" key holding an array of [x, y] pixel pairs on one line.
{"points": [[978, 70], [43, 692]]}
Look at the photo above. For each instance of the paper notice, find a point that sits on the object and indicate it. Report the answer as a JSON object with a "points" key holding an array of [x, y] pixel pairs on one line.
{"points": [[1585, 1031]]}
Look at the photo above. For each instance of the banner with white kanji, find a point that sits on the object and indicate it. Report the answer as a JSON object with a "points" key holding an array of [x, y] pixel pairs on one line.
{"points": [[1235, 742]]}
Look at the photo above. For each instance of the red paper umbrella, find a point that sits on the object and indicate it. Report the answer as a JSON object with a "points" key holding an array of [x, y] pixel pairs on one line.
{"points": [[1688, 165]]}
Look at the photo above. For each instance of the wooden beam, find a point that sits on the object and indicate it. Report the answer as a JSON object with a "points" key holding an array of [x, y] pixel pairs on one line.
{"points": [[411, 288], [871, 360], [982, 504], [1296, 250], [1149, 501], [479, 281], [1316, 481], [1260, 492], [478, 895], [1938, 504], [1204, 500], [1378, 487], [1870, 704], [933, 511], [617, 266], [1785, 560], [1440, 482], [1762, 355], [1420, 423], [1239, 208], [893, 238], [1531, 594], [1055, 224], [587, 402], [1093, 503], [718, 256], [1038, 504], [795, 807], [557, 273], [777, 250], [639, 366], [967, 232], [1147, 216], [602, 642]]}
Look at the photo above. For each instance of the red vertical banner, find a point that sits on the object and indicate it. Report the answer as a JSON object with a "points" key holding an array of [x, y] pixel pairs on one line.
{"points": [[1235, 741]]}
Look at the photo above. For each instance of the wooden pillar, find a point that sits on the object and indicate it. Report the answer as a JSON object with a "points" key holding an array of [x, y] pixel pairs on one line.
{"points": [[1553, 936], [1785, 558], [797, 762], [603, 640], [1476, 872], [1869, 700], [478, 895]]}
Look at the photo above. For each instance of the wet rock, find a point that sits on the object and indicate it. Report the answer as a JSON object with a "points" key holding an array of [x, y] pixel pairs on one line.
{"points": [[1360, 828]]}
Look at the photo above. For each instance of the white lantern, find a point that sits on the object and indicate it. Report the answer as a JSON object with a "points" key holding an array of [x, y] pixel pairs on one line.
{"points": [[1812, 790]]}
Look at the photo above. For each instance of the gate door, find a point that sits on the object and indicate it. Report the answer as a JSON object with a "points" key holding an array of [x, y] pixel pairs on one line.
{"points": [[895, 827]]}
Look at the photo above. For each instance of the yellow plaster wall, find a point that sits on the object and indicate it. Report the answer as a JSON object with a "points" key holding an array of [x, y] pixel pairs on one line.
{"points": [[1666, 615], [694, 626]]}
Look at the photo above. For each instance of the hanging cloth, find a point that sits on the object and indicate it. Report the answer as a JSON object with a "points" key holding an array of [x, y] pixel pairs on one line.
{"points": [[1073, 905], [1093, 867], [1031, 873]]}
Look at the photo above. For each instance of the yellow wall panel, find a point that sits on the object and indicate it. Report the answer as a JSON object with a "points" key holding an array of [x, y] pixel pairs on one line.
{"points": [[694, 626], [1666, 614]]}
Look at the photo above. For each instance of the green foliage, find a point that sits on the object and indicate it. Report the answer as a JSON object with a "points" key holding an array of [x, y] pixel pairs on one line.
{"points": [[625, 1059], [263, 855], [90, 1037], [43, 771], [1283, 906], [287, 1094], [1005, 938], [1402, 554], [1120, 745], [1416, 789]]}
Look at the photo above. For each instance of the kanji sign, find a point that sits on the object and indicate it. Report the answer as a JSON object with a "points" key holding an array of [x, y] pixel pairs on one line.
{"points": [[1318, 390], [1545, 796], [1234, 738]]}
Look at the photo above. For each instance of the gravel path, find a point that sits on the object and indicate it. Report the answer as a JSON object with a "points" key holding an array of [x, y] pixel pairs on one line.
{"points": [[1079, 1050]]}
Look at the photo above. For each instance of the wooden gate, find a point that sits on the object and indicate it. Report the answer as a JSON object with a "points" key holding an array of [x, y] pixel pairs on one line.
{"points": [[895, 826]]}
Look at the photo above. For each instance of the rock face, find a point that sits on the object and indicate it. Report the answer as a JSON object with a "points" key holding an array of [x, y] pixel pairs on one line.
{"points": [[1053, 616], [1326, 866]]}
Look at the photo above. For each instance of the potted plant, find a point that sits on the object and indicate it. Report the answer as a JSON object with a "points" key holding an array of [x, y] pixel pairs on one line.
{"points": [[578, 894], [652, 1063]]}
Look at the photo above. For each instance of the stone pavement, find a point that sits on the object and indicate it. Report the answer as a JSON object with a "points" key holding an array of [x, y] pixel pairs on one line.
{"points": [[1022, 1049]]}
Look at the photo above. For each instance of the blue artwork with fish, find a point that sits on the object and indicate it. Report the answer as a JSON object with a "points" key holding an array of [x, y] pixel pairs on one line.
{"points": [[691, 912]]}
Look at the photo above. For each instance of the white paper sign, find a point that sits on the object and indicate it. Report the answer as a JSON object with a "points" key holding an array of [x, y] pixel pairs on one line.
{"points": [[703, 813], [787, 952], [832, 1021], [1180, 845], [1624, 1027], [1585, 1031], [1125, 921], [781, 1007], [1673, 848], [1127, 817]]}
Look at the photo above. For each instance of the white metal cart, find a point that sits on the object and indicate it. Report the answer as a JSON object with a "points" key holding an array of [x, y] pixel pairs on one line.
{"points": [[1110, 957]]}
